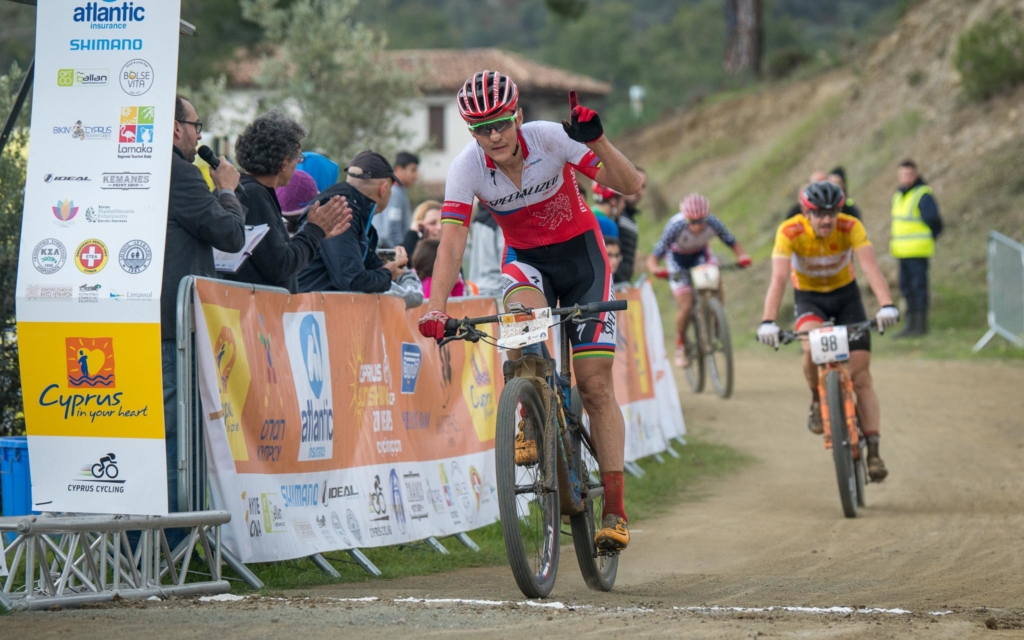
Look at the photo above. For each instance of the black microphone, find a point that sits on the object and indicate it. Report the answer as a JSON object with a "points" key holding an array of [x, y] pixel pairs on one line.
{"points": [[206, 153]]}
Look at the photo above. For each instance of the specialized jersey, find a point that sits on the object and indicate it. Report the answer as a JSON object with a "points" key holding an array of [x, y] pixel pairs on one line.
{"points": [[820, 264], [547, 210]]}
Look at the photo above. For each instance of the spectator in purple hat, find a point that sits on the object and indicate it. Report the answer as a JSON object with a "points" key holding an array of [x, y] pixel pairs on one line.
{"points": [[295, 198], [269, 149]]}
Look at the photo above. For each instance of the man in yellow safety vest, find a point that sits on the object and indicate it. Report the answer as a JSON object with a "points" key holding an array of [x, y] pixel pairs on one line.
{"points": [[915, 226]]}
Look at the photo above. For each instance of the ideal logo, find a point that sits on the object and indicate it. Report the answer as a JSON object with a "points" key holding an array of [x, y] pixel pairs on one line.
{"points": [[306, 342], [411, 359]]}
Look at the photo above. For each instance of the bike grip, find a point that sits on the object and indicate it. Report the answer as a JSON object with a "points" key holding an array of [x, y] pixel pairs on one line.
{"points": [[614, 305], [451, 324]]}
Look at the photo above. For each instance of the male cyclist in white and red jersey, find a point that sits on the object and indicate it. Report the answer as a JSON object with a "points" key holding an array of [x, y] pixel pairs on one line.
{"points": [[524, 174], [684, 244]]}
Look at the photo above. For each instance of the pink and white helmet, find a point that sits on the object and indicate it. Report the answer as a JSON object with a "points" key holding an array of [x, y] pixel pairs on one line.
{"points": [[695, 207]]}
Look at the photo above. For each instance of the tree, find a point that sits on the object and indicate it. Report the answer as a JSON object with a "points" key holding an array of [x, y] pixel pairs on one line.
{"points": [[744, 22], [333, 73], [12, 203]]}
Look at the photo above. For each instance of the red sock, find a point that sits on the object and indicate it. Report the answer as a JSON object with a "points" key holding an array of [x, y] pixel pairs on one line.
{"points": [[613, 487]]}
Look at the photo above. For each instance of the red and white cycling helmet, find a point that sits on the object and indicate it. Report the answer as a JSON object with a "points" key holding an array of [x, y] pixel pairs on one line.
{"points": [[695, 207], [603, 193], [487, 94]]}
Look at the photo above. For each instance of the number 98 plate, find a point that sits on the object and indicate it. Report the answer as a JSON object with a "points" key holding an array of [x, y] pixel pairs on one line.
{"points": [[829, 344]]}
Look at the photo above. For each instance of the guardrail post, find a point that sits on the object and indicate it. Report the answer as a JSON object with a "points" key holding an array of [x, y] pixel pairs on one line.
{"points": [[467, 541], [436, 544], [323, 565]]}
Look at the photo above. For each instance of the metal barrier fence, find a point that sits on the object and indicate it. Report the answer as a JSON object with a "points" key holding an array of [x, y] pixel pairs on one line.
{"points": [[1005, 290], [71, 560]]}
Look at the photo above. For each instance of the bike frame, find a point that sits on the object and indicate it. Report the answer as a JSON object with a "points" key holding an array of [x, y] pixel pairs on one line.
{"points": [[849, 403]]}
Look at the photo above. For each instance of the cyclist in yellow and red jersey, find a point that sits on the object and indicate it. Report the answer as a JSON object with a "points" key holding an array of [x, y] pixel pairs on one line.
{"points": [[525, 176], [819, 245]]}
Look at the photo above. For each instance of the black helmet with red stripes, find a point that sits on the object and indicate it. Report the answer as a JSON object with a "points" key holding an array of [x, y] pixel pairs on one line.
{"points": [[487, 94], [822, 196]]}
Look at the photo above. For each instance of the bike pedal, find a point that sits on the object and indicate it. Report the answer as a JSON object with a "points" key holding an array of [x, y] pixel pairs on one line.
{"points": [[607, 554]]}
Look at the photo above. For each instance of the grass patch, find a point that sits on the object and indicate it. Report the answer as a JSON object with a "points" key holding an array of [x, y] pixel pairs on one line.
{"points": [[990, 57], [664, 486]]}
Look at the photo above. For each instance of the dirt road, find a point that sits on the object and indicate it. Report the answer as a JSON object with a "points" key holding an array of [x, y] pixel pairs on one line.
{"points": [[942, 538]]}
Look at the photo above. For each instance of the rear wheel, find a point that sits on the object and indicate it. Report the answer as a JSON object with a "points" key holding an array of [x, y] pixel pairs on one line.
{"points": [[598, 571], [719, 355], [841, 452], [695, 372], [530, 521]]}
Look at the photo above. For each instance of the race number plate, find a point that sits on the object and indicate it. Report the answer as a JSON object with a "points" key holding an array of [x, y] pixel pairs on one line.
{"points": [[520, 330], [829, 344], [705, 277]]}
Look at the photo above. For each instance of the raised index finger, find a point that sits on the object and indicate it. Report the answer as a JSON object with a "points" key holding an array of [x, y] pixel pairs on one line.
{"points": [[572, 100]]}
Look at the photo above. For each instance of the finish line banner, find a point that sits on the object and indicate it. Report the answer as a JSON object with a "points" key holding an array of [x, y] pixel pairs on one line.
{"points": [[92, 245], [332, 424]]}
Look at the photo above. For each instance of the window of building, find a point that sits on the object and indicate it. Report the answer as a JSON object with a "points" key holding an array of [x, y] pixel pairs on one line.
{"points": [[435, 131]]}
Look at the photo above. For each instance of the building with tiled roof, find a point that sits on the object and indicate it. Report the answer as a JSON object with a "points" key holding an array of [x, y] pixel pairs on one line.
{"points": [[432, 123]]}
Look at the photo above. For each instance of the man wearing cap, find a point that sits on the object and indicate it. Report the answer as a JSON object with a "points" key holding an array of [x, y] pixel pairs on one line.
{"points": [[349, 261]]}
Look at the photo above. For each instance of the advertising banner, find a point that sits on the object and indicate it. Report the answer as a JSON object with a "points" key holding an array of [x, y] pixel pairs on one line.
{"points": [[89, 273], [635, 379], [332, 424], [669, 410]]}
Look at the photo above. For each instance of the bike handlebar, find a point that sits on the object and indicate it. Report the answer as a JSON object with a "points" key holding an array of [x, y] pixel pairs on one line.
{"points": [[594, 307], [855, 330]]}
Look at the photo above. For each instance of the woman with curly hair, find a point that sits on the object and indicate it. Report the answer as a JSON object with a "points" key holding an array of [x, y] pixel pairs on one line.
{"points": [[268, 150]]}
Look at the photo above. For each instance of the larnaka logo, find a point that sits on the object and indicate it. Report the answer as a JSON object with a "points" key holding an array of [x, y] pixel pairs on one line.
{"points": [[135, 133]]}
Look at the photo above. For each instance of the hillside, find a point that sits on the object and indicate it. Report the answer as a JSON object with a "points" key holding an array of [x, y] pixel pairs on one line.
{"points": [[750, 152]]}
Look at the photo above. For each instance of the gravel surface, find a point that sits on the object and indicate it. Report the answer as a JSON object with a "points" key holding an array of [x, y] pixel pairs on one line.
{"points": [[938, 552]]}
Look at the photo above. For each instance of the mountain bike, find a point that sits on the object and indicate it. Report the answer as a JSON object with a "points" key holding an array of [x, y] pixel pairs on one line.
{"points": [[708, 345], [830, 349], [562, 483]]}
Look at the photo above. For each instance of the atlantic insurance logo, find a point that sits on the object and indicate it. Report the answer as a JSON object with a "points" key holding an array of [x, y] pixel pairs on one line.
{"points": [[108, 15], [311, 373]]}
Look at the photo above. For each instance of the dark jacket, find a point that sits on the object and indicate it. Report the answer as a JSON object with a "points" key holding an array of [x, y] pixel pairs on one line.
{"points": [[277, 259], [348, 262], [197, 223], [629, 238], [411, 239], [929, 209]]}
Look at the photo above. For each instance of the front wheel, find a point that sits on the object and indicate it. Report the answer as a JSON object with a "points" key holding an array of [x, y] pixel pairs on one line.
{"points": [[841, 451], [599, 571], [719, 356], [530, 521], [695, 372]]}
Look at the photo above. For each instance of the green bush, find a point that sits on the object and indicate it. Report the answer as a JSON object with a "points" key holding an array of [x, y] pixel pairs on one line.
{"points": [[783, 62], [990, 57], [12, 198]]}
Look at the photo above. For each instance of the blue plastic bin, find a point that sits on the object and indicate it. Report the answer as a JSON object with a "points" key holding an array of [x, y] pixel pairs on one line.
{"points": [[15, 478]]}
